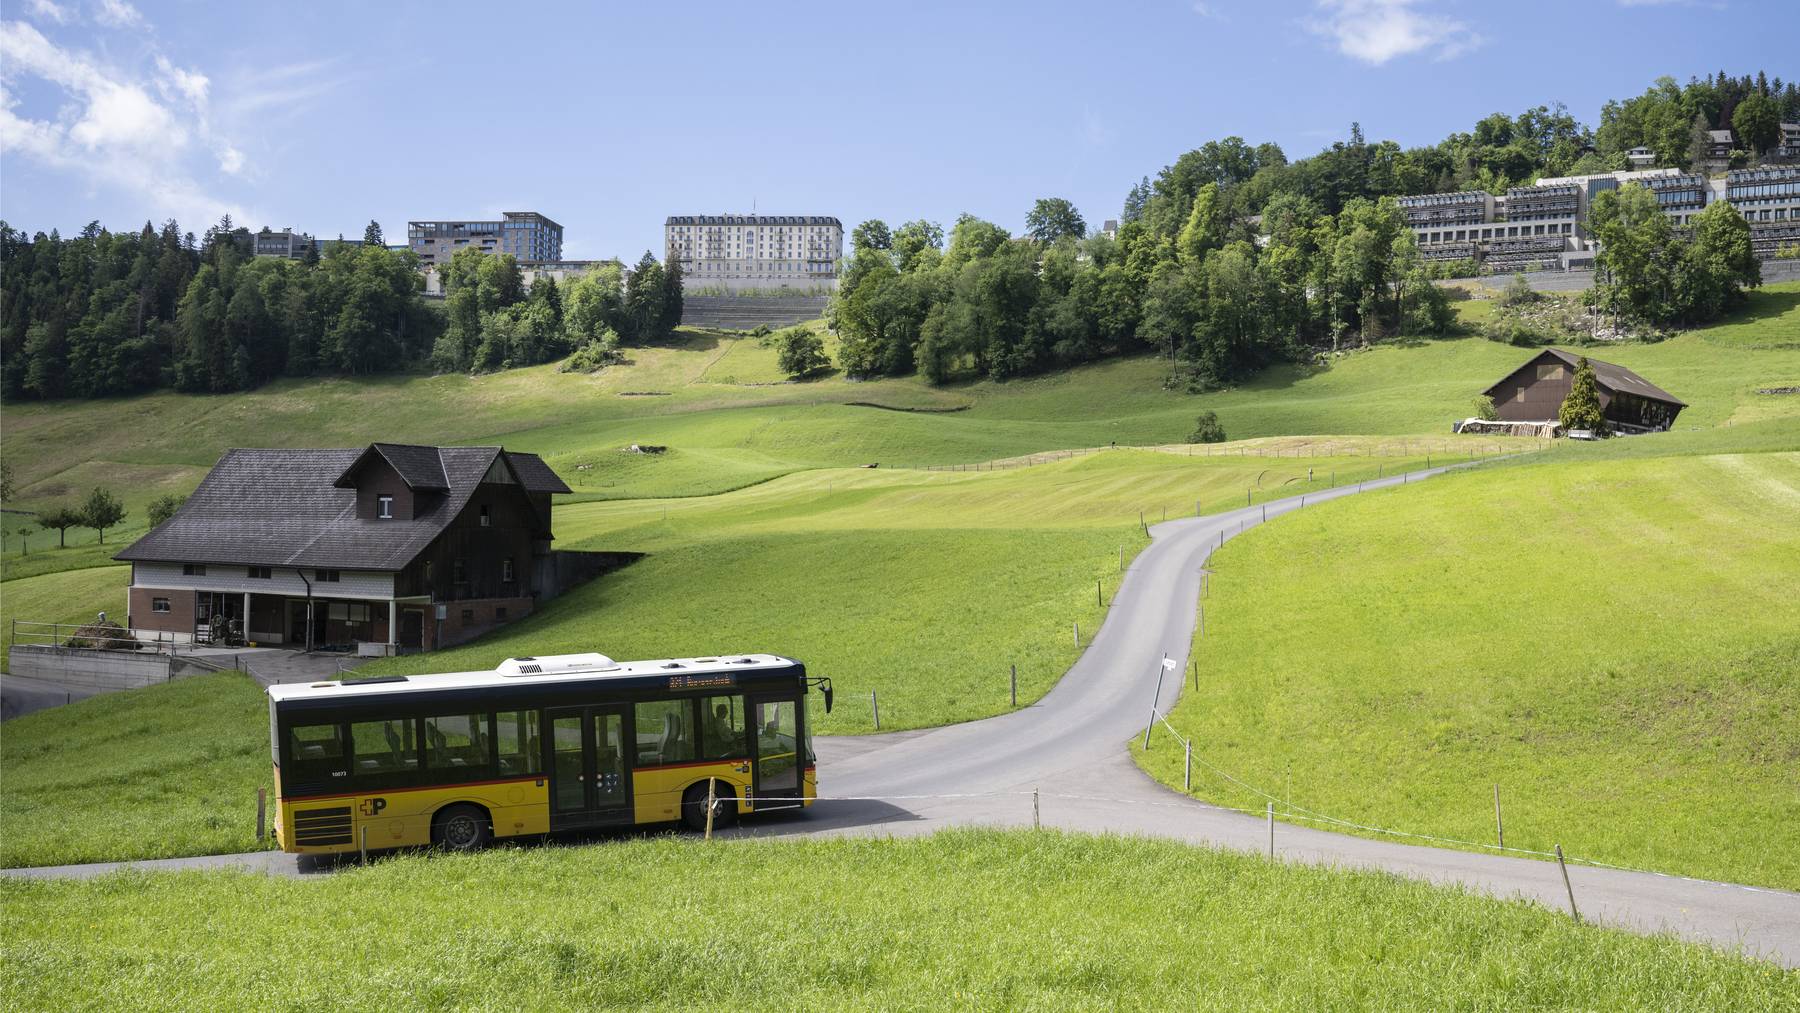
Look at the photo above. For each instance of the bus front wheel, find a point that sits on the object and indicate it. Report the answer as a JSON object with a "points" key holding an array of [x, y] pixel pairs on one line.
{"points": [[693, 806], [461, 828]]}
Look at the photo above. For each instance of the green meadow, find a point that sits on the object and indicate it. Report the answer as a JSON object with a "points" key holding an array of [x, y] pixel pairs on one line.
{"points": [[925, 587], [158, 772], [926, 583], [1609, 636], [970, 919]]}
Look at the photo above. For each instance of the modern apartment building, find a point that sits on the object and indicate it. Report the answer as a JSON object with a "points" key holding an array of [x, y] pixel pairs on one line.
{"points": [[1769, 199], [292, 245], [1543, 227], [737, 252], [527, 235]]}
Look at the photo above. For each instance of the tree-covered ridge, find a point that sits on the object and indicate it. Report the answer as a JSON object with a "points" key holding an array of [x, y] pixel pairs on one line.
{"points": [[1233, 257], [113, 313]]}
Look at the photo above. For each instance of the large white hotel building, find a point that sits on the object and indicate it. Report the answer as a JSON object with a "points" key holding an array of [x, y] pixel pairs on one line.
{"points": [[738, 252]]}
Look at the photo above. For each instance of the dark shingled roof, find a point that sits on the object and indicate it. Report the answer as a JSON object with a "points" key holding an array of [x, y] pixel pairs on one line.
{"points": [[291, 507], [1615, 378], [421, 468], [535, 474]]}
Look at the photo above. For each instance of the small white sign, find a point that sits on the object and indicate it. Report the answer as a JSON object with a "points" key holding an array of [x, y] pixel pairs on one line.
{"points": [[1169, 663]]}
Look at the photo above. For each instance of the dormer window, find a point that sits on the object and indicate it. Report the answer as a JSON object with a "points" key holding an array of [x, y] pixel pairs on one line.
{"points": [[384, 508], [486, 519]]}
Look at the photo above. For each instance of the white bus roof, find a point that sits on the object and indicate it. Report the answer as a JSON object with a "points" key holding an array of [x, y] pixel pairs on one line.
{"points": [[531, 671]]}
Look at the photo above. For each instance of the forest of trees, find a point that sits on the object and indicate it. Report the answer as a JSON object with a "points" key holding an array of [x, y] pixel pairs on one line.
{"points": [[108, 313], [1230, 258], [1234, 257]]}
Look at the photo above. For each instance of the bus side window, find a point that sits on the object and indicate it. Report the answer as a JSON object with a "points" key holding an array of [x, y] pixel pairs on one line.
{"points": [[457, 741], [517, 733], [314, 751], [722, 727], [663, 735], [384, 747]]}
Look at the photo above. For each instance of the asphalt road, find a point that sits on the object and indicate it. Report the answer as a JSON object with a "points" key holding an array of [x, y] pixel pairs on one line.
{"points": [[1069, 748]]}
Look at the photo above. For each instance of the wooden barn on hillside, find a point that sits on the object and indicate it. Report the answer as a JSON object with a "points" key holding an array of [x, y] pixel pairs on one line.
{"points": [[1536, 390]]}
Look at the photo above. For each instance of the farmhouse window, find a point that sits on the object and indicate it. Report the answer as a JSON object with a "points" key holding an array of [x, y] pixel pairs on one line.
{"points": [[193, 569], [500, 613], [486, 520], [159, 604], [506, 569], [468, 615], [326, 576], [1549, 371], [259, 572], [459, 573], [384, 507]]}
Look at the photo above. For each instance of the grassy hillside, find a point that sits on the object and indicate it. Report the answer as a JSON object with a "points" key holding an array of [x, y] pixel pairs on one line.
{"points": [[148, 773], [949, 578], [986, 920], [922, 586], [1610, 636], [70, 596], [706, 396]]}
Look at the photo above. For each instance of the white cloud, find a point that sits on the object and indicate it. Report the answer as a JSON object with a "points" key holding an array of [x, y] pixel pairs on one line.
{"points": [[1204, 9], [118, 14], [51, 12], [112, 127], [1376, 31]]}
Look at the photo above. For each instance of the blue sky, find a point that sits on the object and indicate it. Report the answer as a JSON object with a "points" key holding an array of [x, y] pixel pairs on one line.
{"points": [[605, 117]]}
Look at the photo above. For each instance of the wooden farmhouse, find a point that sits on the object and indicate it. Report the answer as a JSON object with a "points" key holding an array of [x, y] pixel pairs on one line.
{"points": [[382, 549], [1534, 393]]}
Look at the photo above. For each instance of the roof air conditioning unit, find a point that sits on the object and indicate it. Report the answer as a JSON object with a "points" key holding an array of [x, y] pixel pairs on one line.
{"points": [[556, 664]]}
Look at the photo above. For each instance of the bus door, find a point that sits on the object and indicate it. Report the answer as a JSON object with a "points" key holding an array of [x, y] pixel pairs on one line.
{"points": [[775, 730], [590, 770]]}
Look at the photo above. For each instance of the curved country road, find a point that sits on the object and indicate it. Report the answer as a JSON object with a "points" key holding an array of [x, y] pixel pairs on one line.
{"points": [[1070, 747]]}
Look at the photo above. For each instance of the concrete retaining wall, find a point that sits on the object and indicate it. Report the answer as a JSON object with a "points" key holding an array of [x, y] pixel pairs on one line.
{"points": [[102, 670]]}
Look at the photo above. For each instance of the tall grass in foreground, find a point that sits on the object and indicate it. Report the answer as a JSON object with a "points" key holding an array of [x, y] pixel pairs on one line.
{"points": [[149, 773], [976, 919]]}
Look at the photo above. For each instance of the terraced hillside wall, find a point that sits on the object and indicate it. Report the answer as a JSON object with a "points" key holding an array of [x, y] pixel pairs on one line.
{"points": [[742, 313]]}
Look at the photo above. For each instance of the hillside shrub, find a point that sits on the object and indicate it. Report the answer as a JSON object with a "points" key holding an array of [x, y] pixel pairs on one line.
{"points": [[1484, 408], [163, 507], [595, 354], [1207, 429], [801, 353]]}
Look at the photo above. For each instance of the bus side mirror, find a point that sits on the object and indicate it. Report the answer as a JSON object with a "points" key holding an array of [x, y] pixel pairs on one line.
{"points": [[825, 688]]}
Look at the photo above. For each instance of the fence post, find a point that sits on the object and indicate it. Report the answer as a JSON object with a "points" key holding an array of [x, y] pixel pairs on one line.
{"points": [[1015, 685], [1194, 664], [1036, 820], [1099, 597], [1499, 827], [363, 843], [1565, 871], [1271, 831], [262, 799], [711, 800], [875, 707], [1187, 773], [1078, 633]]}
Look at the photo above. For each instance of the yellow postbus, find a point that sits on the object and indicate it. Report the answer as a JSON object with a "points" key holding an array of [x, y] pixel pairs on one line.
{"points": [[538, 745]]}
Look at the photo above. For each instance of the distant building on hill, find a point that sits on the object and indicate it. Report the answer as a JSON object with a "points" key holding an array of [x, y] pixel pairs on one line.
{"points": [[527, 235], [386, 548], [1535, 391], [293, 245], [738, 252]]}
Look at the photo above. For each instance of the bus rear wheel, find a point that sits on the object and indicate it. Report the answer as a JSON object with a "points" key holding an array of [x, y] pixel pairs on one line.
{"points": [[693, 806], [461, 828]]}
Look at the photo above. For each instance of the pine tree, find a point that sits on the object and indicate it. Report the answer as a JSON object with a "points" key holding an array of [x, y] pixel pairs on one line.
{"points": [[1581, 409], [372, 234]]}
